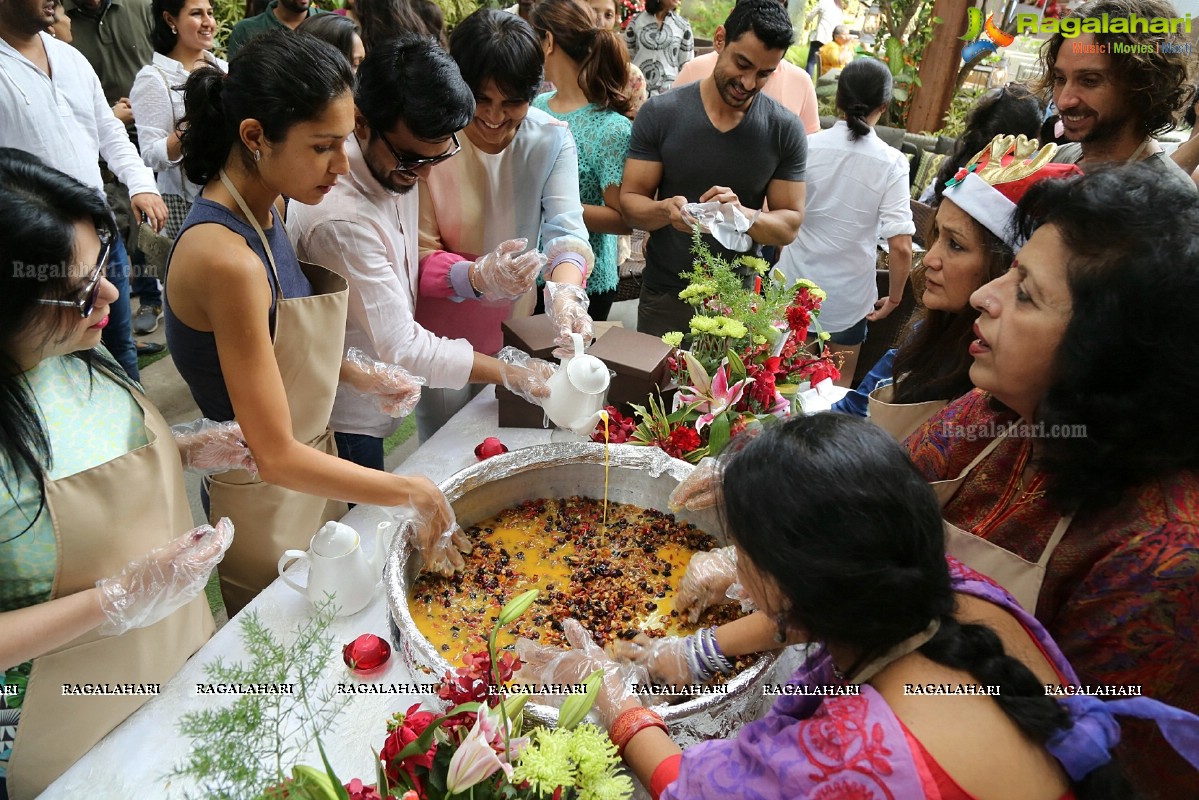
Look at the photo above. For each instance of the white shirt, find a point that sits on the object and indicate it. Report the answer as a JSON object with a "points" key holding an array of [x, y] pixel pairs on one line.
{"points": [[857, 194], [157, 111], [369, 236], [831, 15], [63, 118]]}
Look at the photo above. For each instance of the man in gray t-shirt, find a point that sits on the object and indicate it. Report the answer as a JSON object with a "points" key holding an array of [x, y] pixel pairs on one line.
{"points": [[718, 140]]}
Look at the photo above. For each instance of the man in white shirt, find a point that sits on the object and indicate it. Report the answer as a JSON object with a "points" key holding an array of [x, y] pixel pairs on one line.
{"points": [[54, 108], [367, 230]]}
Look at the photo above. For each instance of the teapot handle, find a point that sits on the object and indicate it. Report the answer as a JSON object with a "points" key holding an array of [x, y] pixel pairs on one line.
{"points": [[293, 555]]}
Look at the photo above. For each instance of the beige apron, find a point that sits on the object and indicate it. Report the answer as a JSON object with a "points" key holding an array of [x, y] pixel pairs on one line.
{"points": [[100, 525], [899, 419], [308, 340], [1021, 578]]}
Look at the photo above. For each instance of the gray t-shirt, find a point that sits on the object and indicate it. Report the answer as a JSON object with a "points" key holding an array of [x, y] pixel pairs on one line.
{"points": [[1072, 153], [769, 144]]}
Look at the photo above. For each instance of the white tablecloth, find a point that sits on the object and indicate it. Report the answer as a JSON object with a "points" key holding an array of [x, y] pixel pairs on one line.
{"points": [[134, 759]]}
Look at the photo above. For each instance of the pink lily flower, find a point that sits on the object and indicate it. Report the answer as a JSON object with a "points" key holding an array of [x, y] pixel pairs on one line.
{"points": [[478, 757], [710, 396]]}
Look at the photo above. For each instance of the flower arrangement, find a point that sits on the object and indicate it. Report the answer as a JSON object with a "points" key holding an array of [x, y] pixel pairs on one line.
{"points": [[627, 9], [473, 747], [747, 358]]}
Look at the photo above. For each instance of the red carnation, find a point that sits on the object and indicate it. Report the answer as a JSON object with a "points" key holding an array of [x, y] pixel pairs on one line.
{"points": [[682, 440]]}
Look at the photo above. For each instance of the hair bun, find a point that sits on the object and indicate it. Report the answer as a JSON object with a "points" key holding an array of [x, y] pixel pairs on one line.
{"points": [[858, 110]]}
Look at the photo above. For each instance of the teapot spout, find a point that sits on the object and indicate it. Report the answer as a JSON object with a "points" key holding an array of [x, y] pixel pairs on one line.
{"points": [[586, 427]]}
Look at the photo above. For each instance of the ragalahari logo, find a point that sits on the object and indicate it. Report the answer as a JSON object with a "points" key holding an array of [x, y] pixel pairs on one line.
{"points": [[983, 38]]}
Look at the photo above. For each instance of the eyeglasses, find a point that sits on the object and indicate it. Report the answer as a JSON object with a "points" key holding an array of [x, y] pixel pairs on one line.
{"points": [[86, 304], [406, 164]]}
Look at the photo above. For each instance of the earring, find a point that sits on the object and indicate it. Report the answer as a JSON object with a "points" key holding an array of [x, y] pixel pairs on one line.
{"points": [[780, 624], [257, 156], [173, 30]]}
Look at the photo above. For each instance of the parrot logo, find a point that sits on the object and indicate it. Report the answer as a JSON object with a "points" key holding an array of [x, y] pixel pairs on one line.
{"points": [[990, 40]]}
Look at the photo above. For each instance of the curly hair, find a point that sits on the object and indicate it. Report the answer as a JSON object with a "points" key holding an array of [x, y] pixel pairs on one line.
{"points": [[1154, 82], [1133, 277]]}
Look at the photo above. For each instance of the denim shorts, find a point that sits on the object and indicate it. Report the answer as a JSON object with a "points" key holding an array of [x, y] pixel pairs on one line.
{"points": [[851, 336]]}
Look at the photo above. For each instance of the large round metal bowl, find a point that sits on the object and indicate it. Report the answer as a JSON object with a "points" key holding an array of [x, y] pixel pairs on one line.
{"points": [[643, 476]]}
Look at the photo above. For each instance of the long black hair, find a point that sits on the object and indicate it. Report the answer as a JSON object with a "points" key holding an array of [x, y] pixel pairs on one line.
{"points": [[280, 78], [852, 537], [865, 85], [40, 207], [162, 38], [1133, 275]]}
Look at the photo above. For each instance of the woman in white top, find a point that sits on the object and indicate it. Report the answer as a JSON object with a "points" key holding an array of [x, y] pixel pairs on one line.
{"points": [[857, 194], [183, 40]]}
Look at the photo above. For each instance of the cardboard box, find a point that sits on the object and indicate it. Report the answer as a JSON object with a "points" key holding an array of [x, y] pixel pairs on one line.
{"points": [[639, 361]]}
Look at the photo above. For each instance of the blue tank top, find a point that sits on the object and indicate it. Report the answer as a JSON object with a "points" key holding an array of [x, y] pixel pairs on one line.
{"points": [[194, 352]]}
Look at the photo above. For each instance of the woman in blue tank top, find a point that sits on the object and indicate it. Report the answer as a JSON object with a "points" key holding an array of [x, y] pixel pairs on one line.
{"points": [[257, 336]]}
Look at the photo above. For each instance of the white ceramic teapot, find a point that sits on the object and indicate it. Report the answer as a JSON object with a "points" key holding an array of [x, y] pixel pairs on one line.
{"points": [[338, 566], [577, 391]]}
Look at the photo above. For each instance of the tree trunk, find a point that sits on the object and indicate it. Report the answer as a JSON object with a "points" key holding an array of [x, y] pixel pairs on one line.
{"points": [[939, 69]]}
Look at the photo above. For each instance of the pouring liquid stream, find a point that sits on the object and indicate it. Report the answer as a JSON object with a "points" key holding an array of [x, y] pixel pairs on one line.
{"points": [[607, 453]]}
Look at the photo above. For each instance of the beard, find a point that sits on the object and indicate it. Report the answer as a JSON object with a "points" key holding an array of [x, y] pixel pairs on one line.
{"points": [[295, 6]]}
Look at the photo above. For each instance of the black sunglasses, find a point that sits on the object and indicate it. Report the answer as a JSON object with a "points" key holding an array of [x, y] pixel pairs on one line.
{"points": [[86, 304], [408, 164]]}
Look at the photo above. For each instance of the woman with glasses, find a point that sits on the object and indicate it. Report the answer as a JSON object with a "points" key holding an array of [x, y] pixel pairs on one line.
{"points": [[94, 585], [517, 177], [257, 336]]}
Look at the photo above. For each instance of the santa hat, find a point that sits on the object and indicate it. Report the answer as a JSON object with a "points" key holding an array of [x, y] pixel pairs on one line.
{"points": [[992, 182]]}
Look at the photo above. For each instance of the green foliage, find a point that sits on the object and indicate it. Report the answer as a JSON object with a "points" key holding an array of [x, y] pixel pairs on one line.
{"points": [[239, 748], [457, 10], [227, 13], [706, 16], [906, 30]]}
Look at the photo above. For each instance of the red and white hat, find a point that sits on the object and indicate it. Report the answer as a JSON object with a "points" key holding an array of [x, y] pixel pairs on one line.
{"points": [[992, 182]]}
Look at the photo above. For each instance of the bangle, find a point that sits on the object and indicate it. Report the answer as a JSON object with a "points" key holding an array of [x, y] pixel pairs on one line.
{"points": [[719, 660], [632, 722]]}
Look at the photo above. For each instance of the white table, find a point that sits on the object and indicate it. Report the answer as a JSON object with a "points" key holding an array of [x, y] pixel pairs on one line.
{"points": [[133, 760]]}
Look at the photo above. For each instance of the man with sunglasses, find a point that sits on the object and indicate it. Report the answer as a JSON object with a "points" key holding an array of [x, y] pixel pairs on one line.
{"points": [[367, 230]]}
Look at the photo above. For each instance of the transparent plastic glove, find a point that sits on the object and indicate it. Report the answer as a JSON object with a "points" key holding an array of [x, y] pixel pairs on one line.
{"points": [[706, 582], [209, 447], [552, 665], [566, 305], [164, 580], [700, 489], [434, 532], [665, 659], [524, 375], [394, 390], [504, 275], [723, 221]]}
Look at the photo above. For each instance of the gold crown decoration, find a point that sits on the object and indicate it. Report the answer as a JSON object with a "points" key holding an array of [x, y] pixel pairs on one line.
{"points": [[1007, 158]]}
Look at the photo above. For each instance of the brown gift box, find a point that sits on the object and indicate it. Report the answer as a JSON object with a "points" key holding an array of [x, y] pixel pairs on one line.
{"points": [[639, 361]]}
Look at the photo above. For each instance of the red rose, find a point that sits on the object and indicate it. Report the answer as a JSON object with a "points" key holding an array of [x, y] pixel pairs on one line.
{"points": [[620, 427], [407, 729], [682, 440]]}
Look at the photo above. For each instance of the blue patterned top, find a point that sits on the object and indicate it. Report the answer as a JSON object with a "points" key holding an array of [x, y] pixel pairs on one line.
{"points": [[602, 137]]}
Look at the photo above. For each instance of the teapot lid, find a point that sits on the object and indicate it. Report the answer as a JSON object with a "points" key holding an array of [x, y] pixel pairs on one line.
{"points": [[588, 374], [334, 539]]}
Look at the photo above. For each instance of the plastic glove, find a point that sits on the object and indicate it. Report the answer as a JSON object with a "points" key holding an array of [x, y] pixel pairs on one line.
{"points": [[545, 664], [566, 305], [434, 532], [164, 580], [700, 489], [394, 390], [524, 375], [503, 275], [209, 447], [665, 659], [706, 582]]}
